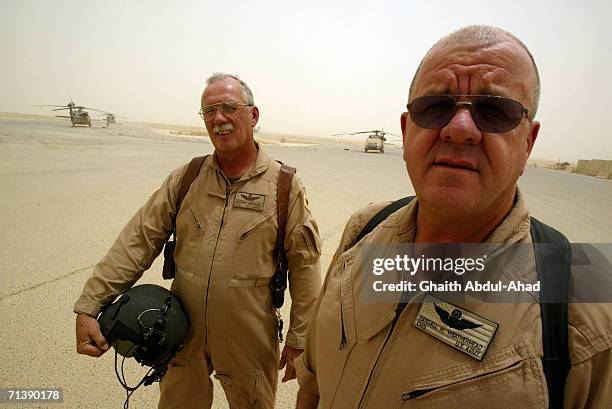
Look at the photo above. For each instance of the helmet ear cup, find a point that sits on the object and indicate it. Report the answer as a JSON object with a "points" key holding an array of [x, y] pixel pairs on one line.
{"points": [[147, 322]]}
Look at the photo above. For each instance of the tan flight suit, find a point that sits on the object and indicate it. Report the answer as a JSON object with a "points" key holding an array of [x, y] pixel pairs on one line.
{"points": [[226, 235], [353, 360]]}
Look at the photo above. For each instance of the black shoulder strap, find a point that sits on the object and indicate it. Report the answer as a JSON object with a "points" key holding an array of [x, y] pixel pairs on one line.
{"points": [[553, 256], [382, 215]]}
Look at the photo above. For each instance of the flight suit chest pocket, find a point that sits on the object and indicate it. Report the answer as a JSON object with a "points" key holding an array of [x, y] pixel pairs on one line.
{"points": [[512, 377], [255, 244], [190, 229]]}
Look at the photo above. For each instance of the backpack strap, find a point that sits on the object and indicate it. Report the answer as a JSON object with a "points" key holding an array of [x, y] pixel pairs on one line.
{"points": [[553, 256], [193, 169], [382, 215], [278, 284]]}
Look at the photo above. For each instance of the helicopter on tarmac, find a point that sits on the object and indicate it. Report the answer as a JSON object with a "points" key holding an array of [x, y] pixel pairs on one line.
{"points": [[375, 141], [78, 115], [111, 118]]}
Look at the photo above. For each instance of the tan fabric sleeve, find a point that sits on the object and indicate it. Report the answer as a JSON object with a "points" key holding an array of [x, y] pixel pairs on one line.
{"points": [[589, 383], [137, 246], [303, 249], [305, 364]]}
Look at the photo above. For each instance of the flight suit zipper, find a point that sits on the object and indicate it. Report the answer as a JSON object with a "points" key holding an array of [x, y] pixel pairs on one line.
{"points": [[342, 329], [212, 262], [342, 335], [380, 354], [259, 223], [421, 392], [195, 219]]}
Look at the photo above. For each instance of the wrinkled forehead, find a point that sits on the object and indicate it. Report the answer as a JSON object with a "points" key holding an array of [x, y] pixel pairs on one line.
{"points": [[501, 69]]}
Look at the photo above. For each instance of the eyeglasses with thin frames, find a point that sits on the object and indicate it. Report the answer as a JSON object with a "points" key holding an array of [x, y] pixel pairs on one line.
{"points": [[228, 108]]}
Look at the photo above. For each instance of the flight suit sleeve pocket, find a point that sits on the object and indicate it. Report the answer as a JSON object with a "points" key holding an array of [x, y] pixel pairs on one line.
{"points": [[482, 384], [310, 236]]}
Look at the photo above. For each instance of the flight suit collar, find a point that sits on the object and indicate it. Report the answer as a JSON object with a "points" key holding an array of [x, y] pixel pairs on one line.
{"points": [[262, 161], [515, 226], [513, 229]]}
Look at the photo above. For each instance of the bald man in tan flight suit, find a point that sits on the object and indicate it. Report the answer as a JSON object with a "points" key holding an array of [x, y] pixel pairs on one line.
{"points": [[226, 235], [464, 162]]}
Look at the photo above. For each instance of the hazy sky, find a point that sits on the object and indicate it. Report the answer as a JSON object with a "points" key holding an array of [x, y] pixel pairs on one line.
{"points": [[315, 67]]}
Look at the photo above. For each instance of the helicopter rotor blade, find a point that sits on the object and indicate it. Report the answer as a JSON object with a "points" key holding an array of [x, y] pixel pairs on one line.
{"points": [[93, 109], [392, 134], [375, 132]]}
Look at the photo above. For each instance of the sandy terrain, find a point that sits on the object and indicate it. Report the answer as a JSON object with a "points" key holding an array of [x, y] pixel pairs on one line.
{"points": [[68, 191]]}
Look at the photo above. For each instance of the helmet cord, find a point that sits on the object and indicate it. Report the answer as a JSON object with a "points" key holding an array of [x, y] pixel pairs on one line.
{"points": [[128, 389]]}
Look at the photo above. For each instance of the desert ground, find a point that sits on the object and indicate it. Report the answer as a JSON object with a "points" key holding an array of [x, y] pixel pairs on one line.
{"points": [[67, 192]]}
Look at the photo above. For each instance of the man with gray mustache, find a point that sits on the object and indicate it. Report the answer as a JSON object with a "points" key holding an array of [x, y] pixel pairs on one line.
{"points": [[226, 230]]}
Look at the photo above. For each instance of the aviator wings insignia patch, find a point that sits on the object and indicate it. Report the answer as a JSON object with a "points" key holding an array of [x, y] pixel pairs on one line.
{"points": [[461, 329], [454, 319], [252, 201]]}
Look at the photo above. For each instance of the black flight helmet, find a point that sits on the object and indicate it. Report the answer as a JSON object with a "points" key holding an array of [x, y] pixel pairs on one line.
{"points": [[147, 322]]}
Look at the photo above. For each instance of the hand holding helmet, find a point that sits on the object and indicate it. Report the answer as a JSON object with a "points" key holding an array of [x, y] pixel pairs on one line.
{"points": [[90, 340], [147, 322]]}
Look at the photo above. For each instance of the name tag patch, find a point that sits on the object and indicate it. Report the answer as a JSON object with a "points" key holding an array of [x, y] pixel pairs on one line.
{"points": [[461, 329], [252, 201]]}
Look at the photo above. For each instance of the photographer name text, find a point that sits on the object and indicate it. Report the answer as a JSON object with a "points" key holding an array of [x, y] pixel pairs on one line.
{"points": [[454, 286]]}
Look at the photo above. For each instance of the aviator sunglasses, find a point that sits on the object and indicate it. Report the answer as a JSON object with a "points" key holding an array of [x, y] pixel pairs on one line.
{"points": [[492, 114], [228, 108]]}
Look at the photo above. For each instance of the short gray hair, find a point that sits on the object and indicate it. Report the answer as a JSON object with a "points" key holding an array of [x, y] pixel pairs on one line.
{"points": [[486, 36], [247, 94]]}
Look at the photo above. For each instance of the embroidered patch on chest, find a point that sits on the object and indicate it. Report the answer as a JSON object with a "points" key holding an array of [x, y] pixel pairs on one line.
{"points": [[461, 329], [252, 201]]}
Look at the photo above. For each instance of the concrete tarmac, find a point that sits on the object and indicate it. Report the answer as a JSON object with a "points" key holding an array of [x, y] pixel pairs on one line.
{"points": [[67, 192]]}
